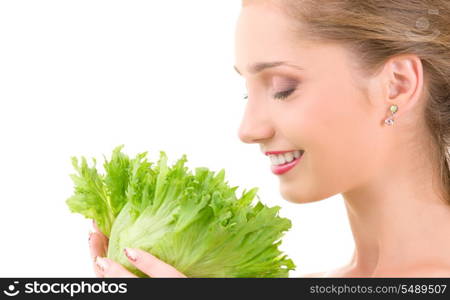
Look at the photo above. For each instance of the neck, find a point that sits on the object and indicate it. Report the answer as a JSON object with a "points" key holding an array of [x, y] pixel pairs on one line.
{"points": [[399, 220]]}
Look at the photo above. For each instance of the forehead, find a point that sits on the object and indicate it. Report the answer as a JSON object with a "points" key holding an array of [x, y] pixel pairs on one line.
{"points": [[264, 33]]}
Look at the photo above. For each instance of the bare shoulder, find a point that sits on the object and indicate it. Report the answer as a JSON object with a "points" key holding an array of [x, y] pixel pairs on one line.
{"points": [[431, 272], [428, 274], [418, 271]]}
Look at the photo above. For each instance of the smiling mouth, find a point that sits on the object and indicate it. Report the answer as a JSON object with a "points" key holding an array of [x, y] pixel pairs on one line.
{"points": [[285, 158], [284, 166]]}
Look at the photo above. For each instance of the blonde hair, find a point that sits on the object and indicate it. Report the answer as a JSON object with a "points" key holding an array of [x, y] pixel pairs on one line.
{"points": [[375, 30]]}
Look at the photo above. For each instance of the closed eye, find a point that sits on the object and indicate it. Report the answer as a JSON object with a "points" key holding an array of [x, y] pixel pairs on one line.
{"points": [[280, 95], [284, 94]]}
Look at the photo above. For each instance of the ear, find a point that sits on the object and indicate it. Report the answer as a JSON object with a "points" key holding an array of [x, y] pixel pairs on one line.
{"points": [[403, 83]]}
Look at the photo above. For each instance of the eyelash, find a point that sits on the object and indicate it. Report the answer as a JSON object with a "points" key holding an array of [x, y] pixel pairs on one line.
{"points": [[281, 95]]}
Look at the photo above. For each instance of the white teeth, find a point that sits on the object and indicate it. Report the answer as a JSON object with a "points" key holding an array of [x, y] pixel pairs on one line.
{"points": [[273, 159], [289, 156], [279, 159]]}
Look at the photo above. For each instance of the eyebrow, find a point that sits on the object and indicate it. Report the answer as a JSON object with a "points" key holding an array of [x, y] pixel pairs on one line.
{"points": [[260, 66]]}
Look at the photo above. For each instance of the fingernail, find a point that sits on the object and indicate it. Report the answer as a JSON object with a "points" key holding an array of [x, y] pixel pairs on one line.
{"points": [[131, 254], [101, 263]]}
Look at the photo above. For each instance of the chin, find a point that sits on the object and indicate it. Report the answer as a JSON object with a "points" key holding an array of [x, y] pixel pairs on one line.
{"points": [[295, 197], [297, 194]]}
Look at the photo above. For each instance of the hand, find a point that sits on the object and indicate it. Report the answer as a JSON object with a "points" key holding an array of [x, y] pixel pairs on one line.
{"points": [[144, 261]]}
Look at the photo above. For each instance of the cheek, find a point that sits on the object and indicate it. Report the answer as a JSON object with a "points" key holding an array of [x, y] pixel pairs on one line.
{"points": [[340, 142]]}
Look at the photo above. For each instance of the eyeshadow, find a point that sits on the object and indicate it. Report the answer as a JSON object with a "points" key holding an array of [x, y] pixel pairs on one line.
{"points": [[280, 83]]}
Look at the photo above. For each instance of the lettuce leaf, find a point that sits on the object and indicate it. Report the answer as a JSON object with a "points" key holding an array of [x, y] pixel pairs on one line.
{"points": [[192, 221]]}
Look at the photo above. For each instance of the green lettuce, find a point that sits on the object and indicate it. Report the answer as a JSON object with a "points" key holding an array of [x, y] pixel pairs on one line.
{"points": [[192, 221]]}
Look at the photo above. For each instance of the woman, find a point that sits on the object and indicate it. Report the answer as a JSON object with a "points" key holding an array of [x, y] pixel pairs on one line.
{"points": [[363, 88]]}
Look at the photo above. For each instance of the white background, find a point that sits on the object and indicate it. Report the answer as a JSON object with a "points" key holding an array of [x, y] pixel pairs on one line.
{"points": [[81, 77]]}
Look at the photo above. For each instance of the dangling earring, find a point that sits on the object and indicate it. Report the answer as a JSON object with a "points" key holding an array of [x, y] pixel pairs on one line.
{"points": [[390, 121]]}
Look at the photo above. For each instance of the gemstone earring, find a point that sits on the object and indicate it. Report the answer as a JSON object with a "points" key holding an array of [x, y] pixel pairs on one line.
{"points": [[390, 121]]}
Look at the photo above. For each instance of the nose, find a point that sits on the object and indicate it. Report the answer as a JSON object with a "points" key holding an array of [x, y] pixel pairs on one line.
{"points": [[255, 126]]}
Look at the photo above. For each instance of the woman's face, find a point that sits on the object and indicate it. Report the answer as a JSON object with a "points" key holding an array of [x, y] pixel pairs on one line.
{"points": [[327, 114]]}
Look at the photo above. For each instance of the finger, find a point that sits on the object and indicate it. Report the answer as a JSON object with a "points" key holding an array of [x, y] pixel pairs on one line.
{"points": [[98, 246], [104, 238], [96, 229], [109, 268], [151, 265]]}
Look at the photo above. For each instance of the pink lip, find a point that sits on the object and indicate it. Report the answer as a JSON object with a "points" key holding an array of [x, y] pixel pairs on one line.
{"points": [[278, 170]]}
